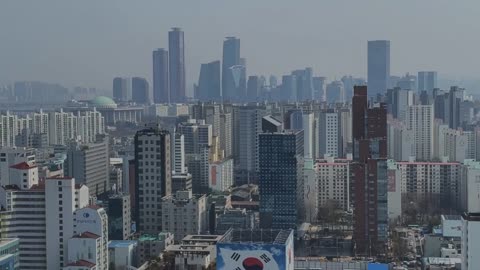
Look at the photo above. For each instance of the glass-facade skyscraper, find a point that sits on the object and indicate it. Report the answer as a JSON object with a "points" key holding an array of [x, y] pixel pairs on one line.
{"points": [[209, 85], [176, 47], [161, 87], [378, 67], [231, 58], [280, 179]]}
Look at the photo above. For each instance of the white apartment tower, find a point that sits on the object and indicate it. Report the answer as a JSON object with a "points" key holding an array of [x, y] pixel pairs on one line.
{"points": [[420, 119], [328, 133], [333, 178]]}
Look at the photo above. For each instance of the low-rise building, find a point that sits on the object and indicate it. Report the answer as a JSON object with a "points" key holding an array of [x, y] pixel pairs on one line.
{"points": [[122, 254], [151, 246]]}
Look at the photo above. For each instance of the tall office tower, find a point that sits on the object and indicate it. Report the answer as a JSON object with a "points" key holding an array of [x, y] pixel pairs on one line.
{"points": [[179, 155], [399, 101], [10, 156], [197, 135], [470, 244], [420, 119], [427, 81], [328, 133], [236, 84], [319, 88], [119, 217], [176, 57], [289, 88], [455, 97], [8, 129], [378, 67], [231, 57], [335, 92], [247, 127], [120, 89], [140, 90], [253, 88], [369, 168], [161, 85], [281, 179], [209, 84], [272, 81], [153, 177], [226, 126], [304, 80], [88, 164], [333, 179], [184, 214], [210, 113]]}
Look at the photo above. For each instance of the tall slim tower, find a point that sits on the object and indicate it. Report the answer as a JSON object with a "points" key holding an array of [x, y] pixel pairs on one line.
{"points": [[140, 90], [281, 179], [378, 67], [153, 177], [176, 49], [120, 89], [161, 86], [369, 168], [427, 81], [231, 57]]}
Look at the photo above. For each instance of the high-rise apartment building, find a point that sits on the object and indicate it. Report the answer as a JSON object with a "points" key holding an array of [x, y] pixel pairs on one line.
{"points": [[89, 165], [328, 124], [226, 134], [369, 171], [140, 90], [120, 89], [161, 85], [209, 82], [333, 180], [176, 47], [153, 177], [378, 67], [281, 179], [420, 119]]}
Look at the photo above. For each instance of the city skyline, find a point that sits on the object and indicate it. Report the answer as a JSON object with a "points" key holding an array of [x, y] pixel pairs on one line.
{"points": [[337, 50]]}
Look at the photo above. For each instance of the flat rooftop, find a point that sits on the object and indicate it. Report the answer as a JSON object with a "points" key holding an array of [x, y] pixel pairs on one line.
{"points": [[256, 236], [202, 238], [121, 243]]}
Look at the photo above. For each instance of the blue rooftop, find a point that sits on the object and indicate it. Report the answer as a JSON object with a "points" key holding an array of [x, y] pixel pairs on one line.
{"points": [[121, 243]]}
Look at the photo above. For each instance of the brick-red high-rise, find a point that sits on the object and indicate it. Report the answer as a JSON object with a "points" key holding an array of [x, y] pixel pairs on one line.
{"points": [[369, 174]]}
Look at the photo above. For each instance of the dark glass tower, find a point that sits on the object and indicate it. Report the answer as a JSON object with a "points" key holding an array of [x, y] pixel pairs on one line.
{"points": [[378, 67], [161, 87], [231, 57], [140, 90], [209, 85], [280, 179], [176, 47]]}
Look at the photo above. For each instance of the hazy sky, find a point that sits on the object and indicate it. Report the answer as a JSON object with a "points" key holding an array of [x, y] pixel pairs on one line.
{"points": [[88, 42]]}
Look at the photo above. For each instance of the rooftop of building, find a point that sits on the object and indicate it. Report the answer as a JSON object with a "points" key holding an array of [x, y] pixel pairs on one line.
{"points": [[82, 263], [87, 235], [152, 237], [451, 217], [471, 216], [23, 166], [8, 241], [202, 238], [103, 102], [121, 243], [195, 248], [256, 236]]}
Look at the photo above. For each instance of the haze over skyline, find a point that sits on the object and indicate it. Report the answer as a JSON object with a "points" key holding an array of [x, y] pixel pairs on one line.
{"points": [[88, 43]]}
